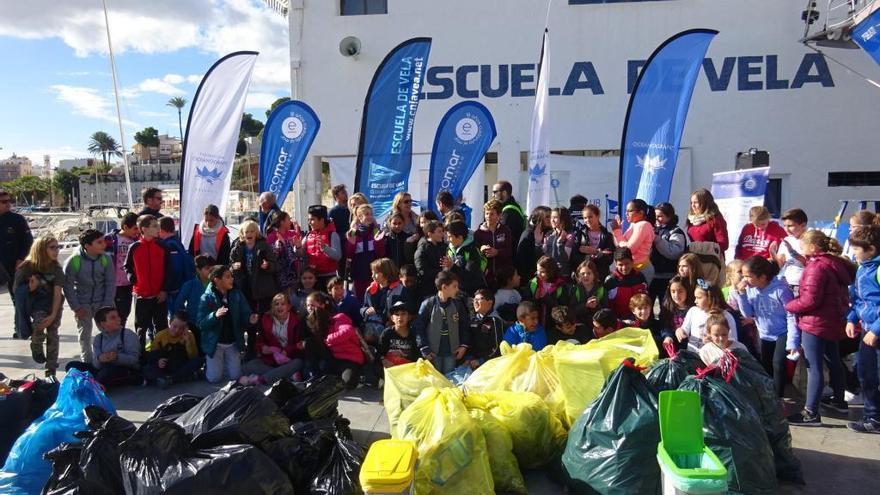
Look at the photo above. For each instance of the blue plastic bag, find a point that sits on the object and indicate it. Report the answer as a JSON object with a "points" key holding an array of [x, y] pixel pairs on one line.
{"points": [[25, 471], [459, 374]]}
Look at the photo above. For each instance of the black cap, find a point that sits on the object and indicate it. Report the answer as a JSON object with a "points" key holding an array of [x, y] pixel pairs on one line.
{"points": [[399, 306]]}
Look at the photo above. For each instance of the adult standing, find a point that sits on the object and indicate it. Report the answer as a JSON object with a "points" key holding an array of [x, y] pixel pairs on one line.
{"points": [[639, 237], [705, 222], [268, 208], [526, 254], [152, 197], [511, 212], [402, 204], [211, 237], [670, 243], [15, 242], [339, 213]]}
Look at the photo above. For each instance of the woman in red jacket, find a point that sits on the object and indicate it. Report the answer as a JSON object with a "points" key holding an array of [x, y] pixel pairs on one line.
{"points": [[335, 345], [705, 222], [279, 346], [820, 308]]}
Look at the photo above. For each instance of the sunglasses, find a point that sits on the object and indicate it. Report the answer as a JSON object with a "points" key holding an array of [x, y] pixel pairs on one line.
{"points": [[703, 284]]}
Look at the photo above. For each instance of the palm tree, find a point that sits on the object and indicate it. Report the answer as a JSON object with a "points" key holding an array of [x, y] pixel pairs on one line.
{"points": [[101, 143], [178, 102]]}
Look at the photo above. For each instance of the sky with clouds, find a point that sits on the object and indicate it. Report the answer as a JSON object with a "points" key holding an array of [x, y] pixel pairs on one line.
{"points": [[57, 85]]}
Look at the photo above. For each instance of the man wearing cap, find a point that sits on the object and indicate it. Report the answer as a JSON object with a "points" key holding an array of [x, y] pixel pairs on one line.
{"points": [[322, 245], [211, 237]]}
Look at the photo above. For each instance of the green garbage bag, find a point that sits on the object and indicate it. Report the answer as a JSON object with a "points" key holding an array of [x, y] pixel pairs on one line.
{"points": [[750, 379], [667, 374], [732, 429], [502, 462], [612, 447]]}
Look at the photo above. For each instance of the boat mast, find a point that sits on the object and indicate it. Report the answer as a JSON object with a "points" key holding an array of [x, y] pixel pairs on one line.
{"points": [[118, 111]]}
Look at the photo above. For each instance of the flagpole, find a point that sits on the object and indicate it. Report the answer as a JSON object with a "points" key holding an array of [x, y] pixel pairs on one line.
{"points": [[118, 110]]}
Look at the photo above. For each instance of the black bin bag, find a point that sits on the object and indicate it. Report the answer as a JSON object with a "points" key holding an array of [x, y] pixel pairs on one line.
{"points": [[234, 415], [753, 382], [158, 459], [66, 475], [732, 429], [175, 406], [317, 398], [338, 475], [612, 447], [99, 461], [667, 374]]}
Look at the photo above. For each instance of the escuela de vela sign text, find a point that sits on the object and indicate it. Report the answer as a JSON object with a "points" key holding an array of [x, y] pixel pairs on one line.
{"points": [[745, 73]]}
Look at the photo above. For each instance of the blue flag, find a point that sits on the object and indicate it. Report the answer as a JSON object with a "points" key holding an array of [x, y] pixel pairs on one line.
{"points": [[867, 35], [385, 150], [463, 137], [656, 115], [287, 137]]}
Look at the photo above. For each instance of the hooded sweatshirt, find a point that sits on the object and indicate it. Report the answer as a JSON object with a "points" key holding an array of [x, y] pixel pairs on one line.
{"points": [[865, 297], [823, 300], [767, 307], [756, 242], [469, 264]]}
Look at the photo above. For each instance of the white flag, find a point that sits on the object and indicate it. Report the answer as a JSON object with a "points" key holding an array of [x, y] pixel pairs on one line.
{"points": [[539, 152], [211, 138]]}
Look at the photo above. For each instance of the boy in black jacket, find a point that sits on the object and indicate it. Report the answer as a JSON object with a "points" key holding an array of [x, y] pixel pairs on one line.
{"points": [[486, 328], [567, 328], [464, 258], [431, 249], [400, 247]]}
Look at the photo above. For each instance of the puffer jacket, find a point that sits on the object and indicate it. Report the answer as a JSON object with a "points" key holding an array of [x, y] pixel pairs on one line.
{"points": [[823, 300], [865, 297], [342, 340]]}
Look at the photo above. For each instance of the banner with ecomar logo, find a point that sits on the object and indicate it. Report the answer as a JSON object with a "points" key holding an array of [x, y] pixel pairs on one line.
{"points": [[735, 194], [463, 137], [211, 137], [287, 137], [867, 35], [385, 151], [656, 116]]}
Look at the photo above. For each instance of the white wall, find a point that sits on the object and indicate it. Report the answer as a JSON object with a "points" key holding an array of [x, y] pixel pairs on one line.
{"points": [[808, 131]]}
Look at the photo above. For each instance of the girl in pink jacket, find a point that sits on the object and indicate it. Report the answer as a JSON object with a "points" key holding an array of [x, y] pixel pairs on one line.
{"points": [[334, 346]]}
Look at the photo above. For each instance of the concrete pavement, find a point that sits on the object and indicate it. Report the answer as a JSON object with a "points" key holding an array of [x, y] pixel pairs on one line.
{"points": [[835, 459]]}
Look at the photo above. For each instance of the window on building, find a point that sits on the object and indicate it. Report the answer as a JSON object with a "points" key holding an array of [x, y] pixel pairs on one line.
{"points": [[773, 197], [363, 7], [853, 179], [588, 2]]}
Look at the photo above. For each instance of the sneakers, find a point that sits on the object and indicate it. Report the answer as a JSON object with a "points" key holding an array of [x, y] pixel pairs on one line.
{"points": [[835, 405], [250, 380], [853, 399], [38, 354], [864, 426], [50, 373], [805, 418]]}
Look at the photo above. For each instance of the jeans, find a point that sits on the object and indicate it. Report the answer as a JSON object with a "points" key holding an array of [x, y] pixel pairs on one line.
{"points": [[109, 374], [183, 372], [271, 374], [123, 300], [773, 358], [869, 376], [444, 364], [226, 357], [84, 329], [814, 349]]}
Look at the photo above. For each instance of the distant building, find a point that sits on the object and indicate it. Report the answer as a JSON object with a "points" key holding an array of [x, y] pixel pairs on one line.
{"points": [[14, 167], [111, 186], [69, 164], [170, 150]]}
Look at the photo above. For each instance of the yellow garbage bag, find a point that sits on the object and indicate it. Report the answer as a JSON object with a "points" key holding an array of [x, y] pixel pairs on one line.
{"points": [[453, 458], [541, 379], [538, 435], [505, 469], [405, 382], [582, 369], [499, 373]]}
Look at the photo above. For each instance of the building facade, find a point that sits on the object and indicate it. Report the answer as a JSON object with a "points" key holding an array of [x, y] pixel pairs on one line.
{"points": [[15, 167], [759, 88]]}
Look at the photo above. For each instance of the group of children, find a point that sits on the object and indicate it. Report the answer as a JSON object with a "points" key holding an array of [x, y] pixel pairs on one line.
{"points": [[426, 288]]}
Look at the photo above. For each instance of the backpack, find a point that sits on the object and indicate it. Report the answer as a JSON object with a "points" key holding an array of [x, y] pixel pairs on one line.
{"points": [[711, 261], [76, 262]]}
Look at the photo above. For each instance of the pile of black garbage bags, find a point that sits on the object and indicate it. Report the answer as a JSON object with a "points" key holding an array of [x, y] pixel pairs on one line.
{"points": [[237, 440]]}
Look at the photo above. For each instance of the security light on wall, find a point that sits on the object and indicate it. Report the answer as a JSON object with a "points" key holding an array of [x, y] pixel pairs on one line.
{"points": [[350, 46]]}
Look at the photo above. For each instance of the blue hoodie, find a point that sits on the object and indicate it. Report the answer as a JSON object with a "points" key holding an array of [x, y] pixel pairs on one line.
{"points": [[864, 296], [767, 307], [517, 334]]}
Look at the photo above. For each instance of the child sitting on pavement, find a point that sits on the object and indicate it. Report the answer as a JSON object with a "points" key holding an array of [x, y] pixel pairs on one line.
{"points": [[115, 352], [173, 356], [398, 343], [567, 328], [604, 323], [527, 329]]}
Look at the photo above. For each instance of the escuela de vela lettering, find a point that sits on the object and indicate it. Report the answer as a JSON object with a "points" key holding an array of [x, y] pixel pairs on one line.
{"points": [[753, 73]]}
